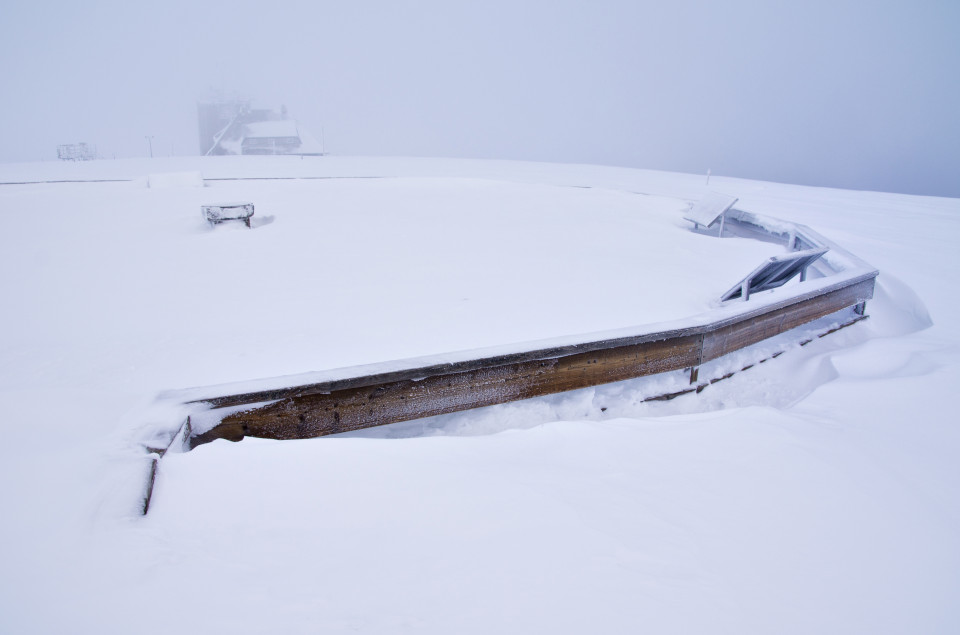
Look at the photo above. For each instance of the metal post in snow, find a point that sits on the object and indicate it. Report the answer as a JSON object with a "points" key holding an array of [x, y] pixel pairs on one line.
{"points": [[149, 139]]}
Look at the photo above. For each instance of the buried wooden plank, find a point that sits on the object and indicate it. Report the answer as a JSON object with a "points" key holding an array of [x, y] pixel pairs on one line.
{"points": [[151, 480], [179, 440]]}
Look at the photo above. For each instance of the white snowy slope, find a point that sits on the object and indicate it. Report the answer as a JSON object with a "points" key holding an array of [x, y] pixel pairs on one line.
{"points": [[817, 492]]}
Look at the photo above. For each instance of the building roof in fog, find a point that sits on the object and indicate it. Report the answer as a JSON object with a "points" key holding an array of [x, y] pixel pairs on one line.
{"points": [[266, 129], [283, 129]]}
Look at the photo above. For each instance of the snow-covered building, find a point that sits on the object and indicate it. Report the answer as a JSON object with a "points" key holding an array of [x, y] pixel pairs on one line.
{"points": [[76, 152], [234, 127], [278, 137]]}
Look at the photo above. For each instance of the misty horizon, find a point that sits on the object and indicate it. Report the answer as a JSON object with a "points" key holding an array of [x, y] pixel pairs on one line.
{"points": [[853, 95]]}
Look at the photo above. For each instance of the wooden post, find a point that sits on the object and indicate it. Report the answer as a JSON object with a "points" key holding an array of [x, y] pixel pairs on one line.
{"points": [[151, 479]]}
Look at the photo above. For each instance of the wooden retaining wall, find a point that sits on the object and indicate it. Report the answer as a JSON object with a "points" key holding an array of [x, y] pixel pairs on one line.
{"points": [[355, 403]]}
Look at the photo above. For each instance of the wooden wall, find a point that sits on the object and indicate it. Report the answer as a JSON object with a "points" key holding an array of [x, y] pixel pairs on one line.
{"points": [[354, 403]]}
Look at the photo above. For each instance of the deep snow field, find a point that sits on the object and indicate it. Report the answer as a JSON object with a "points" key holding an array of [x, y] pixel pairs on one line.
{"points": [[816, 493]]}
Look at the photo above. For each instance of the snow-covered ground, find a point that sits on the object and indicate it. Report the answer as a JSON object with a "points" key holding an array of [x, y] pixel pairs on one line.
{"points": [[817, 492]]}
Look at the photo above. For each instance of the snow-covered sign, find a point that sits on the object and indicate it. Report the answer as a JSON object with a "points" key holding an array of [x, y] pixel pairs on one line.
{"points": [[216, 214], [774, 273], [710, 208]]}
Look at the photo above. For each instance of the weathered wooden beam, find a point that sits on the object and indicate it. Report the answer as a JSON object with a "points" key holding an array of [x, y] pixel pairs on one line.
{"points": [[319, 414], [362, 402], [731, 337], [415, 371]]}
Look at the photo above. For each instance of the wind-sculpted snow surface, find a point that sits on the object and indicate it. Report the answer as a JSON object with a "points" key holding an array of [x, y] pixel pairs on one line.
{"points": [[816, 492]]}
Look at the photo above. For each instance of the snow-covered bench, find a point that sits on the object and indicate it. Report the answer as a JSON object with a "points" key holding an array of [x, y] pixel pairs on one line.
{"points": [[775, 272], [709, 210], [220, 212]]}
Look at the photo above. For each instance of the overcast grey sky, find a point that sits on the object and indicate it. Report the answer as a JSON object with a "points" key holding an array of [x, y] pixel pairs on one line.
{"points": [[858, 94]]}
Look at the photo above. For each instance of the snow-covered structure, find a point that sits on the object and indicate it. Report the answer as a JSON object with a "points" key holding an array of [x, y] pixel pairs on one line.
{"points": [[278, 137], [76, 152], [235, 127], [816, 492]]}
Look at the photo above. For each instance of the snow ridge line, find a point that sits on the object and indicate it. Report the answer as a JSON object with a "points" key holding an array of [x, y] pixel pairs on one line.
{"points": [[223, 178], [67, 181]]}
